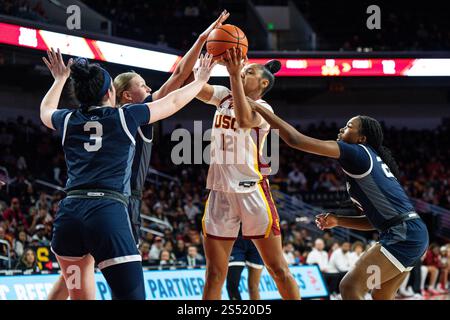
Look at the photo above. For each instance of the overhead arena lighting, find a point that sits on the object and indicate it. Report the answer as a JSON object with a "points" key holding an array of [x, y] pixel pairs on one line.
{"points": [[40, 39]]}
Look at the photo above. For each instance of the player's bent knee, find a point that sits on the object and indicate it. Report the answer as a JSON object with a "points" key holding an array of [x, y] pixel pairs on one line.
{"points": [[279, 272], [216, 274]]}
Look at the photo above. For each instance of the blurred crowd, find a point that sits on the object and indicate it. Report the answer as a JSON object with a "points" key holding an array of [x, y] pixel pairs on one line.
{"points": [[24, 9]]}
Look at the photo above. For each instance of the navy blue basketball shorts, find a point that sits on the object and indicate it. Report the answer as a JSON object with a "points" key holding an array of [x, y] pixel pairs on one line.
{"points": [[405, 243], [245, 253], [100, 227]]}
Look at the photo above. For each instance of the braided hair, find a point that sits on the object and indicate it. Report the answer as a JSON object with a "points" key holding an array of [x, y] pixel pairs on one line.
{"points": [[371, 128], [268, 71]]}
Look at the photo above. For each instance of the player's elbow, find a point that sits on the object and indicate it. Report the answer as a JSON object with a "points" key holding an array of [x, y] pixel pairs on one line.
{"points": [[243, 123]]}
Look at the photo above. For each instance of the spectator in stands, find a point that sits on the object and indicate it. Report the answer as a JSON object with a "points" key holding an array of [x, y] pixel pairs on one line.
{"points": [[156, 248], [39, 237], [180, 249], [434, 265], [43, 201], [20, 243], [297, 180], [168, 245], [306, 237], [340, 259], [328, 239], [193, 236], [445, 263], [191, 209], [298, 242], [339, 264], [144, 249], [14, 216], [193, 258], [43, 217], [3, 248], [28, 263], [357, 251], [286, 231], [318, 255], [166, 259], [289, 253]]}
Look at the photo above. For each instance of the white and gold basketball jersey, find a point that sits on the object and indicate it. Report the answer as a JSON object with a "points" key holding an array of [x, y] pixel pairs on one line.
{"points": [[235, 163]]}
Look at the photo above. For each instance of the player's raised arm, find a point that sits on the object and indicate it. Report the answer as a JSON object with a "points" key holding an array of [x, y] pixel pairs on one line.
{"points": [[186, 64], [60, 73], [296, 139], [245, 116], [176, 100]]}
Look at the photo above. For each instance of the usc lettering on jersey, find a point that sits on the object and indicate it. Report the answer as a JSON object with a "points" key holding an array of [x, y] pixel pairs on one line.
{"points": [[235, 163]]}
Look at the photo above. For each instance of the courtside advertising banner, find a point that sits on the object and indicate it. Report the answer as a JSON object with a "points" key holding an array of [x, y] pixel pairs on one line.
{"points": [[186, 284]]}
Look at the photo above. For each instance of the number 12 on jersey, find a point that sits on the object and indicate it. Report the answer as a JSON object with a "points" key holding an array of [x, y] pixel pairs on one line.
{"points": [[385, 168]]}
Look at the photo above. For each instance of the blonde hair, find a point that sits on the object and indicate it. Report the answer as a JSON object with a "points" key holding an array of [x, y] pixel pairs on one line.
{"points": [[122, 83]]}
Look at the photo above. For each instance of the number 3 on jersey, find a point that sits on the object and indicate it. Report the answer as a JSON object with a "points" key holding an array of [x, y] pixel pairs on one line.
{"points": [[96, 144], [385, 168]]}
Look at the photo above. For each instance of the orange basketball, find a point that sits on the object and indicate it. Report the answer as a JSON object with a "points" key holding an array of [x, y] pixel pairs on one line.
{"points": [[225, 37]]}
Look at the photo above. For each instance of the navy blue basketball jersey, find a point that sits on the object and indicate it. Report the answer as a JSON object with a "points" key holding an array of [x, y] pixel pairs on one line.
{"points": [[371, 185], [99, 145], [141, 161]]}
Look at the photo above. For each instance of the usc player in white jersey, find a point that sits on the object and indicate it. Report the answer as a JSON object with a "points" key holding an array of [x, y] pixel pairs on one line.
{"points": [[239, 190]]}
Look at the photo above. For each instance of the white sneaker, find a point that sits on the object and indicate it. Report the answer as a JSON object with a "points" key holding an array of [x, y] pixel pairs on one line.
{"points": [[410, 291], [405, 294], [418, 296], [368, 296]]}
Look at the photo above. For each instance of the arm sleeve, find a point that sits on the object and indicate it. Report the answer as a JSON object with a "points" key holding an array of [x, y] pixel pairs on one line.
{"points": [[58, 118], [136, 115], [354, 159], [220, 93]]}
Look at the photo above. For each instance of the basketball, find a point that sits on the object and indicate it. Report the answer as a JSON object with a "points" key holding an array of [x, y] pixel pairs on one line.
{"points": [[226, 37]]}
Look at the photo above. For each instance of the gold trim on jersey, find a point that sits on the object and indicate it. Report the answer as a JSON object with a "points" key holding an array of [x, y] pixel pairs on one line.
{"points": [[269, 211], [204, 216]]}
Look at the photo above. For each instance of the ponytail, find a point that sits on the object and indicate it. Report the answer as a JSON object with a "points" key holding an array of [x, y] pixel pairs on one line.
{"points": [[268, 72]]}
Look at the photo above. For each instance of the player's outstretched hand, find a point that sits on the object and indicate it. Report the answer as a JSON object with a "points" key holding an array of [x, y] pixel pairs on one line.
{"points": [[216, 24], [326, 221], [234, 61], [55, 64], [203, 71]]}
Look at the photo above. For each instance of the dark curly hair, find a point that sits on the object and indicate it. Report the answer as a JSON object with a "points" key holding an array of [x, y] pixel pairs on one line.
{"points": [[88, 82]]}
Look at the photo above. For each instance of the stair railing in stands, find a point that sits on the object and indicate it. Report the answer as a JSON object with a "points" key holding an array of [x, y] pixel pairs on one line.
{"points": [[293, 209], [443, 228]]}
